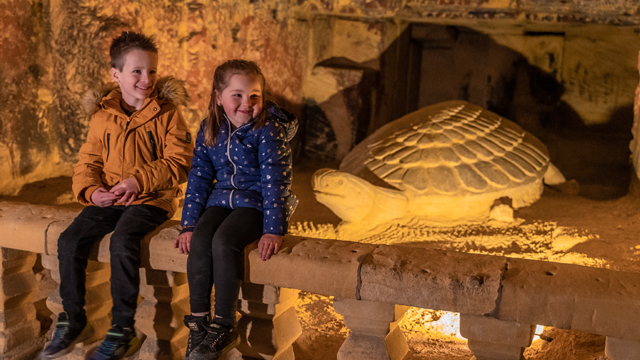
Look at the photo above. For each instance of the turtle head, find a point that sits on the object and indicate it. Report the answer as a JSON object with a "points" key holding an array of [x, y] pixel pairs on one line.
{"points": [[348, 196]]}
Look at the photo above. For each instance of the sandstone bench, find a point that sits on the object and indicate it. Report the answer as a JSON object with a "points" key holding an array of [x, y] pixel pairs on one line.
{"points": [[500, 299]]}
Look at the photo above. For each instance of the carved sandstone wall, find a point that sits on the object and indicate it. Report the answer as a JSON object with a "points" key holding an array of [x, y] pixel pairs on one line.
{"points": [[54, 51], [345, 66]]}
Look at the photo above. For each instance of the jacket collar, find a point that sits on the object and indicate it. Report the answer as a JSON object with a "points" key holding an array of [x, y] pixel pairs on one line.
{"points": [[108, 97], [230, 126]]}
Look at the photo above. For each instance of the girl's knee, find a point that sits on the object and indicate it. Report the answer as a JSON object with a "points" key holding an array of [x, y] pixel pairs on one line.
{"points": [[223, 243]]}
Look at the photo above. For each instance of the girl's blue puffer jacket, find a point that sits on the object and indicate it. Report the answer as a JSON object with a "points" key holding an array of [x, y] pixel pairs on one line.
{"points": [[247, 168]]}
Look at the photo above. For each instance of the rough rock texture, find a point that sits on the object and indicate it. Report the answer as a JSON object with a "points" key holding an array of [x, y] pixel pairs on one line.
{"points": [[160, 315], [491, 287], [635, 143], [347, 62], [427, 279], [28, 141], [601, 302], [335, 268], [490, 330], [29, 225], [269, 323], [374, 332], [18, 287], [58, 50], [621, 349]]}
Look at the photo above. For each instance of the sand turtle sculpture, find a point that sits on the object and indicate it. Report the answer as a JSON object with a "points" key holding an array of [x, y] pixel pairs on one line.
{"points": [[445, 164]]}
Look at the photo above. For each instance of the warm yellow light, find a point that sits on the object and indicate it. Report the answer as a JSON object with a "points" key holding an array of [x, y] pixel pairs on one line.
{"points": [[539, 330], [435, 324]]}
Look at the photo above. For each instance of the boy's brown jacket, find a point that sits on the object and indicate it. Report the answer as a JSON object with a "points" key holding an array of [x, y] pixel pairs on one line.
{"points": [[154, 146]]}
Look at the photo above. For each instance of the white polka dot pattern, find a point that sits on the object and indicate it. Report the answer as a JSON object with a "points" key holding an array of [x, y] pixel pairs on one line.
{"points": [[250, 168]]}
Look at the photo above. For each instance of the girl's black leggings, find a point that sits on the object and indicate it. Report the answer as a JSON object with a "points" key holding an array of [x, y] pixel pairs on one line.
{"points": [[216, 257]]}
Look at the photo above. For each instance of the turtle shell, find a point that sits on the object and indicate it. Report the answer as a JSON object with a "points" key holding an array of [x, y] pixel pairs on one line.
{"points": [[451, 148]]}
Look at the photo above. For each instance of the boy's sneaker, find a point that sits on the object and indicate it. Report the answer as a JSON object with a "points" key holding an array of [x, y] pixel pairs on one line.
{"points": [[66, 336], [197, 326], [119, 343], [220, 340]]}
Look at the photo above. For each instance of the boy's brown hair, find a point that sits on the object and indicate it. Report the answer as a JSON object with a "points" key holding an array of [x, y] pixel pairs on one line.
{"points": [[126, 42], [221, 78]]}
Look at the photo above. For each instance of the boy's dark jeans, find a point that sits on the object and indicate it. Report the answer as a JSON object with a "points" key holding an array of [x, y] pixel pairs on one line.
{"points": [[216, 257], [129, 225]]}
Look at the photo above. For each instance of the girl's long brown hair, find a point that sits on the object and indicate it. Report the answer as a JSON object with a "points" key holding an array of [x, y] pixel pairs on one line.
{"points": [[220, 82]]}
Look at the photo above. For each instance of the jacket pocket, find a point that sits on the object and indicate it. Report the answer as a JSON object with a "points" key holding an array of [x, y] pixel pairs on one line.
{"points": [[152, 142], [108, 147]]}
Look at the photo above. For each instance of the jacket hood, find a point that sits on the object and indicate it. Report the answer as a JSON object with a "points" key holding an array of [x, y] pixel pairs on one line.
{"points": [[168, 88], [283, 117]]}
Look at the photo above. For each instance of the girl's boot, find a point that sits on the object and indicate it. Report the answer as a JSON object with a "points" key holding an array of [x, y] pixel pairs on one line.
{"points": [[197, 326]]}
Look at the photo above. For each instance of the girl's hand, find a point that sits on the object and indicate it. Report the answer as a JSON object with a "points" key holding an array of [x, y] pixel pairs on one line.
{"points": [[126, 190], [102, 198], [183, 242], [268, 245]]}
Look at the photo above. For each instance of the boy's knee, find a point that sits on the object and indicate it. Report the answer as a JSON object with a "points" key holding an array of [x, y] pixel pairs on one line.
{"points": [[64, 255], [124, 245], [67, 245]]}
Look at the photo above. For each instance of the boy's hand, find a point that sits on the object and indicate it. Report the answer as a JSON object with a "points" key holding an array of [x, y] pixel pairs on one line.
{"points": [[183, 242], [268, 245], [126, 190], [102, 198]]}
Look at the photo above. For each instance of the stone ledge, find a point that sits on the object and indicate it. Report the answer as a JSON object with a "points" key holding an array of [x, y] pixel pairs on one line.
{"points": [[575, 297], [328, 267], [432, 279], [603, 302]]}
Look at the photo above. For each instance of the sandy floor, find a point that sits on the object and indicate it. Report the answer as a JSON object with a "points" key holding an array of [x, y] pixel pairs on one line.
{"points": [[558, 227], [606, 232]]}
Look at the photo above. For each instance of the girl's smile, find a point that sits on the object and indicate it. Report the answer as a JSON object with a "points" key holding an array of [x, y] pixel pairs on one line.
{"points": [[242, 99]]}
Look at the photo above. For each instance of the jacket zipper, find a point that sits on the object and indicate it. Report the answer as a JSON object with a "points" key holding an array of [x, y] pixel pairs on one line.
{"points": [[235, 169], [124, 146], [152, 141], [108, 147]]}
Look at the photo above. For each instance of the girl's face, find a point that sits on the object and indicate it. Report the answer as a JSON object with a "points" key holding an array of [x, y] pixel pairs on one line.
{"points": [[242, 99]]}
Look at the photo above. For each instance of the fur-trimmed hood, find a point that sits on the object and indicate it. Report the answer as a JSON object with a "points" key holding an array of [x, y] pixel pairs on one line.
{"points": [[168, 88]]}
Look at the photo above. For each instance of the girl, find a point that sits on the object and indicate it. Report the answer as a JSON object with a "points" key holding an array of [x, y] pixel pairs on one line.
{"points": [[238, 191]]}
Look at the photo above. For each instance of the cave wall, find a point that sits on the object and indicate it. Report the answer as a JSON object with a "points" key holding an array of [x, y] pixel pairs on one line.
{"points": [[570, 85], [346, 67], [53, 51], [564, 72]]}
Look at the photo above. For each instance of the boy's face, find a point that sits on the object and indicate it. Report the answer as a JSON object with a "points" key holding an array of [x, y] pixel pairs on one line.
{"points": [[137, 78]]}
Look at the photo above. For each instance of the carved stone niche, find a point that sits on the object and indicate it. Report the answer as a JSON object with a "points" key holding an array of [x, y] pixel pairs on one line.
{"points": [[18, 287], [374, 332], [269, 324], [493, 339]]}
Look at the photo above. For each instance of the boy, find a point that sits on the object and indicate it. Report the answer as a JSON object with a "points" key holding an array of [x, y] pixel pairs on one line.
{"points": [[138, 151]]}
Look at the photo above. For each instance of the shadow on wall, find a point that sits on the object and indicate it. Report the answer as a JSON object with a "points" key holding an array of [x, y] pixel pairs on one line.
{"points": [[335, 125], [429, 64]]}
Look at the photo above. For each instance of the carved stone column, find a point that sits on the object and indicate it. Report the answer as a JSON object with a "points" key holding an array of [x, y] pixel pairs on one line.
{"points": [[98, 303], [18, 287], [622, 349], [160, 315], [493, 339], [269, 323], [375, 334]]}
